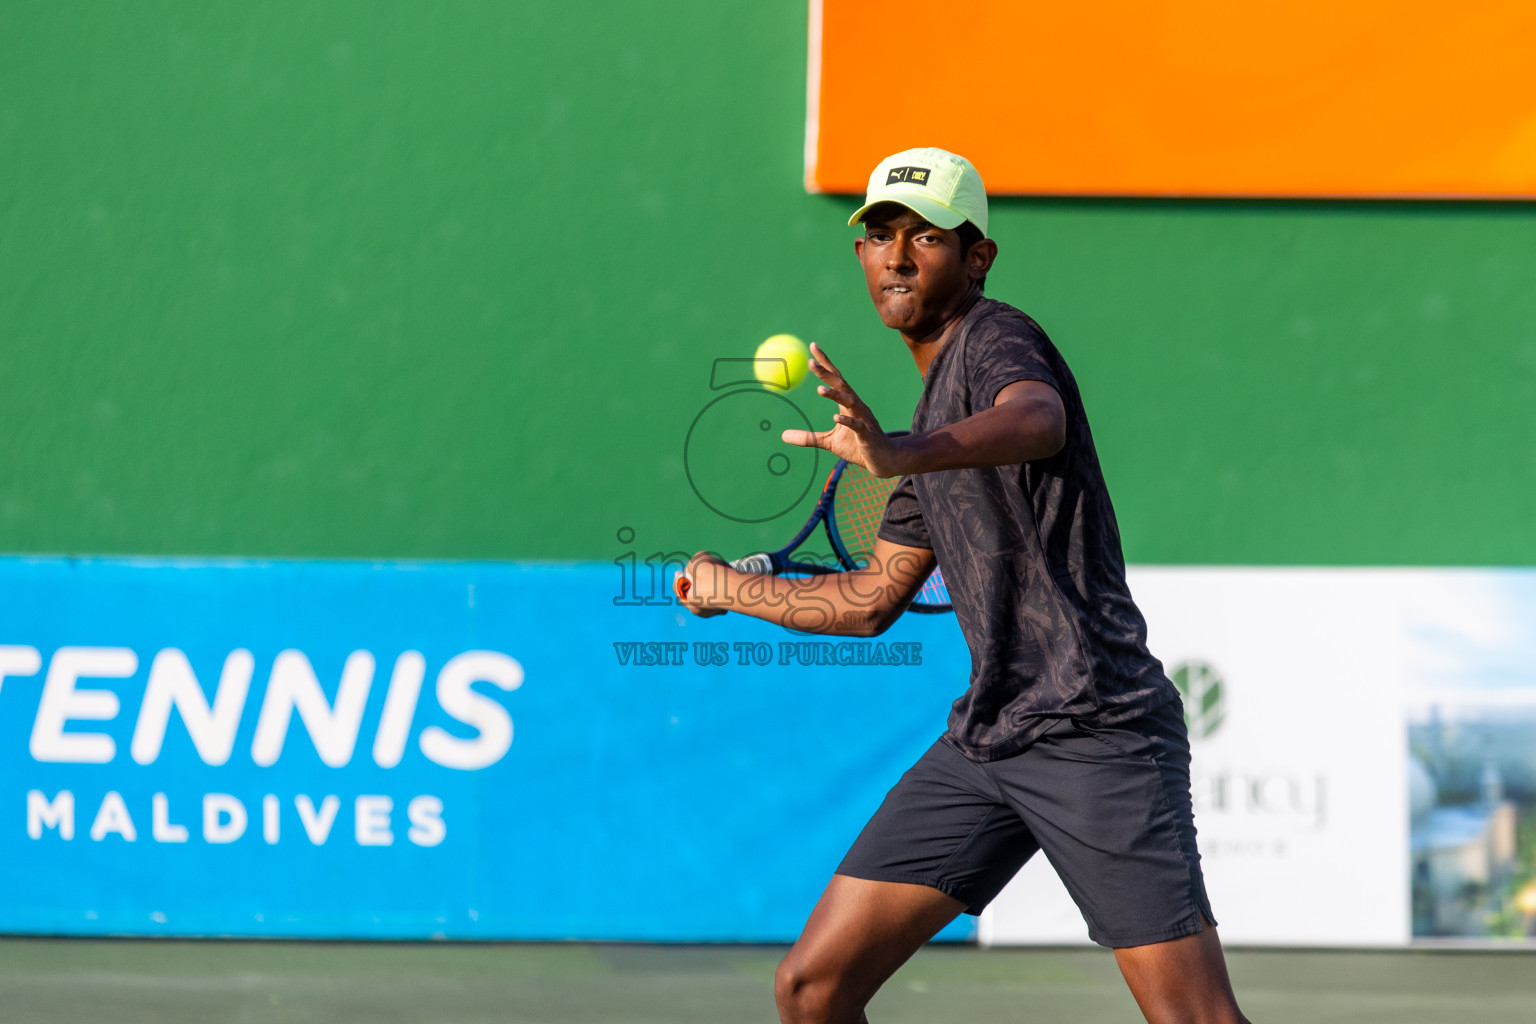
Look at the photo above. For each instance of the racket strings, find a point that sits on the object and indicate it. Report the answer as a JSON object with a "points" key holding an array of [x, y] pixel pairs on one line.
{"points": [[933, 591], [857, 509]]}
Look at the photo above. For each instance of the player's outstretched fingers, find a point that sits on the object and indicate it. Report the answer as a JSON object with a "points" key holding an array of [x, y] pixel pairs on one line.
{"points": [[857, 424], [842, 395], [805, 438], [821, 360], [847, 400], [822, 367], [835, 386]]}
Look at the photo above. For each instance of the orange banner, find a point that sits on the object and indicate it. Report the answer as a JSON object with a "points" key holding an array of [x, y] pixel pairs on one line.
{"points": [[1323, 98]]}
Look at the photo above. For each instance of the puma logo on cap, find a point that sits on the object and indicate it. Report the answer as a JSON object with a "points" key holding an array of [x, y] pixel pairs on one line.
{"points": [[915, 175]]}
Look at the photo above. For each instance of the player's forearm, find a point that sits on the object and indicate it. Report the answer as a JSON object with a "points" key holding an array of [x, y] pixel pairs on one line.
{"points": [[1004, 435], [856, 604]]}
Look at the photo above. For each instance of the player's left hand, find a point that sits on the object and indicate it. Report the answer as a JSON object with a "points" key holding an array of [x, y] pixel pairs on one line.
{"points": [[695, 587], [857, 436]]}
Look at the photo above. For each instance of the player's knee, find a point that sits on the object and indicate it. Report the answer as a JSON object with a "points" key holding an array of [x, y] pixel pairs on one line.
{"points": [[804, 996]]}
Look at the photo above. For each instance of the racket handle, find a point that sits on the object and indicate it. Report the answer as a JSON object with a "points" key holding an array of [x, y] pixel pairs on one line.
{"points": [[760, 564]]}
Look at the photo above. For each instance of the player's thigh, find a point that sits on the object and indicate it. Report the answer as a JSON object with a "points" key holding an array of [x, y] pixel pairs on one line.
{"points": [[1111, 808], [862, 931], [942, 842], [944, 825]]}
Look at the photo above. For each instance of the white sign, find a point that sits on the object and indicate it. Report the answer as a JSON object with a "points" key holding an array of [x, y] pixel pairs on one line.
{"points": [[1294, 682]]}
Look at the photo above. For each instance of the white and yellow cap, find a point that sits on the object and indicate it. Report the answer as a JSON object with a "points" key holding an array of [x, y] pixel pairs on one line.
{"points": [[940, 186]]}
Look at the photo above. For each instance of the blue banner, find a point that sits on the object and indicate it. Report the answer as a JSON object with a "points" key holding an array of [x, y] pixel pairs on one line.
{"points": [[458, 750]]}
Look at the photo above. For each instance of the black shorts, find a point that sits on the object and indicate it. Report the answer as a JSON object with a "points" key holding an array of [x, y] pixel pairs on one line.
{"points": [[1109, 805]]}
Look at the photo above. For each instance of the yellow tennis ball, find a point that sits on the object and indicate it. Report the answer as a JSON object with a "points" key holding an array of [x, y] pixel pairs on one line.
{"points": [[780, 362]]}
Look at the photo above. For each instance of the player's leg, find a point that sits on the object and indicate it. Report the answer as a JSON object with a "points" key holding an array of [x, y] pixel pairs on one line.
{"points": [[1111, 808], [1182, 981], [859, 934], [941, 842]]}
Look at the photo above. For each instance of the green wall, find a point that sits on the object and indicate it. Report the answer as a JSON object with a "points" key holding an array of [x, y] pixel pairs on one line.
{"points": [[444, 280]]}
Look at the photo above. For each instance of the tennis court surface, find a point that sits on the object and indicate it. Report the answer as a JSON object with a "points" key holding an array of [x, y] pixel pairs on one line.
{"points": [[67, 981]]}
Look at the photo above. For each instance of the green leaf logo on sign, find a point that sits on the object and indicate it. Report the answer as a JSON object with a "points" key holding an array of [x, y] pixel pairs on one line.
{"points": [[1200, 687]]}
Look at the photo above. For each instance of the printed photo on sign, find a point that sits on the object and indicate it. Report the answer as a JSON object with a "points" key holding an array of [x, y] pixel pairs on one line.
{"points": [[1472, 765]]}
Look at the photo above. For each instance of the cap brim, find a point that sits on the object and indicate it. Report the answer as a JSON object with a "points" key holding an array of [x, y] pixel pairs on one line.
{"points": [[935, 212]]}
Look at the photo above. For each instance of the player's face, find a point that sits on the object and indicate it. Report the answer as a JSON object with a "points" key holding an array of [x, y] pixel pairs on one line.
{"points": [[916, 273]]}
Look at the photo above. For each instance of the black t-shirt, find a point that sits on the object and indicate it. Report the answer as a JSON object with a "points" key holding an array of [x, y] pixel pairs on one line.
{"points": [[1030, 553]]}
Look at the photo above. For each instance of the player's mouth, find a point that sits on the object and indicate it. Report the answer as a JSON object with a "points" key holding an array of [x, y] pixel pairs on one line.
{"points": [[899, 289]]}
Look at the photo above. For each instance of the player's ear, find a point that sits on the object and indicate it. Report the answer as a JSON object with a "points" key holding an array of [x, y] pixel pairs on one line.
{"points": [[980, 258], [858, 246]]}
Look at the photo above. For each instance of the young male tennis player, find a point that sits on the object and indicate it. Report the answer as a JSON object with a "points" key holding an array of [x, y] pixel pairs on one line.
{"points": [[1070, 737]]}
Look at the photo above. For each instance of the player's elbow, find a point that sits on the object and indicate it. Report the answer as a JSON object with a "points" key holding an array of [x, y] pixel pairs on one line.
{"points": [[886, 616], [1035, 418], [1054, 438], [869, 621], [1047, 429]]}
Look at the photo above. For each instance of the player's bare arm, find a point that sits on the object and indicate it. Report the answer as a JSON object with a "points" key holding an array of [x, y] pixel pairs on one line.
{"points": [[861, 603], [1026, 422]]}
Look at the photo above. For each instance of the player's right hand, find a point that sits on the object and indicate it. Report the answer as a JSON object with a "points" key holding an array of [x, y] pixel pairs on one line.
{"points": [[699, 582], [855, 434]]}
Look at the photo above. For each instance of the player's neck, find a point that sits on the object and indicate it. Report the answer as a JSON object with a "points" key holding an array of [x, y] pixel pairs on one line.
{"points": [[925, 345]]}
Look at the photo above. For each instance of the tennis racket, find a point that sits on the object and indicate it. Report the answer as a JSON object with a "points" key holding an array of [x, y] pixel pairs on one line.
{"points": [[851, 506]]}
